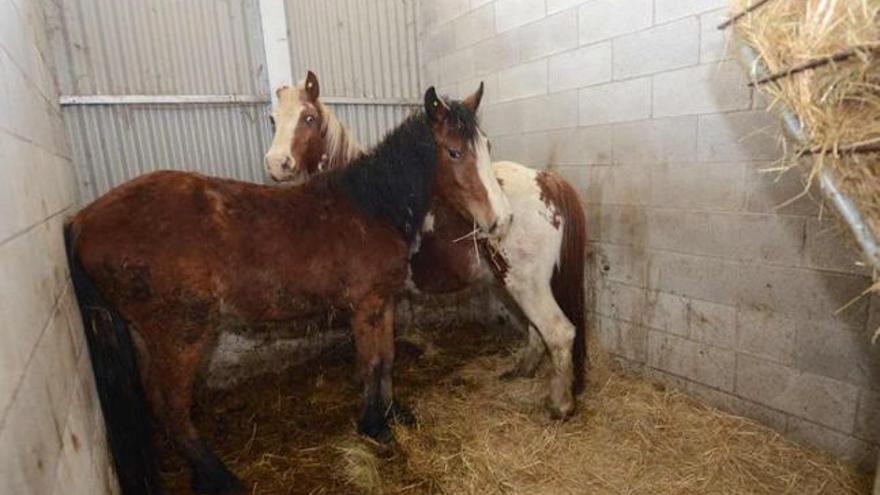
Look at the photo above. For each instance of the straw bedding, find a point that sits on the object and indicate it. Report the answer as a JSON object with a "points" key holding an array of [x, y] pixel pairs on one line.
{"points": [[838, 103], [293, 433]]}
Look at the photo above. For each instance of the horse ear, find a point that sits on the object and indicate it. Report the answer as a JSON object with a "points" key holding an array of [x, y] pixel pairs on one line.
{"points": [[312, 87], [435, 107], [473, 101]]}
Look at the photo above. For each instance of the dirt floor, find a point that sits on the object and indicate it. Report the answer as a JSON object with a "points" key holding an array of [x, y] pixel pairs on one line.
{"points": [[294, 433]]}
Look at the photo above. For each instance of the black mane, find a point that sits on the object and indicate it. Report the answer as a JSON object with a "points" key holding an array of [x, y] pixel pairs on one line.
{"points": [[394, 182]]}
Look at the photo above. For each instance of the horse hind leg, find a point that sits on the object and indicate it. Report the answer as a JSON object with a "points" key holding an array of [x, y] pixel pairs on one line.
{"points": [[172, 376], [529, 357], [539, 306]]}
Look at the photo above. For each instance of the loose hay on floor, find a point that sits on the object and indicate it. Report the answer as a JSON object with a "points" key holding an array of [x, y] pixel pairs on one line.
{"points": [[293, 433]]}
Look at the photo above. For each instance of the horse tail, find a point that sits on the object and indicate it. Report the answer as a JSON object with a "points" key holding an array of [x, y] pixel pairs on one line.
{"points": [[117, 378], [567, 282]]}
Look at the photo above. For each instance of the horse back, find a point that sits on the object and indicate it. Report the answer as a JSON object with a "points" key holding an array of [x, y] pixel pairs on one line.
{"points": [[221, 248]]}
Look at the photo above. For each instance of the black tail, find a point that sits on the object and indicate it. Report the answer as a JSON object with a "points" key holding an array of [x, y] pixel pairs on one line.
{"points": [[117, 377], [567, 282]]}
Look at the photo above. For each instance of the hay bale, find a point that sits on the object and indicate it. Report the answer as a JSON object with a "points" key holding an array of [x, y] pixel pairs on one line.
{"points": [[824, 62]]}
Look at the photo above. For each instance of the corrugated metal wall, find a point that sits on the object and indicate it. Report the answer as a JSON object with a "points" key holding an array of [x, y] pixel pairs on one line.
{"points": [[160, 47], [359, 49]]}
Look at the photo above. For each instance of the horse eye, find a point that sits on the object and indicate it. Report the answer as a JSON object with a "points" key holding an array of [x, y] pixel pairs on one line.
{"points": [[454, 154], [310, 119]]}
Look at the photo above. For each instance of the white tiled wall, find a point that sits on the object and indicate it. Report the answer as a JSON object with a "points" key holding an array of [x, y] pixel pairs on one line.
{"points": [[704, 275], [51, 432]]}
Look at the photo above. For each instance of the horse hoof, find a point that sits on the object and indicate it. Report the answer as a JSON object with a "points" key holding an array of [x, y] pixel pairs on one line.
{"points": [[380, 433], [558, 412], [402, 415]]}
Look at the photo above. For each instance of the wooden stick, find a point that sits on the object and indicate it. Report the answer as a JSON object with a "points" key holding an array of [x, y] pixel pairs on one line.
{"points": [[812, 64], [750, 8], [847, 149]]}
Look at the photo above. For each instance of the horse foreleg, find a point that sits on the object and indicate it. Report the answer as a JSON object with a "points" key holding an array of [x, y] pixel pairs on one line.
{"points": [[529, 357], [173, 373], [373, 326], [537, 302]]}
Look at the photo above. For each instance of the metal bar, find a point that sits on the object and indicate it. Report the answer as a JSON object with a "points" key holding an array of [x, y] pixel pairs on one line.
{"points": [[345, 100], [811, 64], [279, 67], [68, 100], [743, 13], [792, 125]]}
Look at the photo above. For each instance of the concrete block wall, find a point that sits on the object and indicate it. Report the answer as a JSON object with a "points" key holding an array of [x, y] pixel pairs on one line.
{"points": [[706, 273], [51, 431]]}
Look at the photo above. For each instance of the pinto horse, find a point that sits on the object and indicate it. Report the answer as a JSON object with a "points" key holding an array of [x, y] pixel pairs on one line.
{"points": [[177, 257], [539, 260]]}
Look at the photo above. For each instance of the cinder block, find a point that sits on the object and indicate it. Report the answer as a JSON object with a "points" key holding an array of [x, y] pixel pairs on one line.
{"points": [[581, 67], [524, 80], [33, 272], [845, 447], [604, 19], [714, 43], [512, 13], [555, 111], [803, 294], [739, 406], [457, 66], [667, 312], [776, 192], [576, 176], [438, 43], [839, 352], [496, 53], [766, 334], [33, 184], [711, 186], [548, 36], [617, 224], [668, 10], [828, 245], [868, 416], [658, 49], [620, 263], [474, 26], [607, 332], [623, 185], [712, 323], [616, 102], [700, 362], [490, 89], [633, 340], [584, 145], [707, 88], [746, 237], [739, 136], [503, 118], [554, 6], [816, 398], [442, 12], [652, 141], [620, 301], [508, 147]]}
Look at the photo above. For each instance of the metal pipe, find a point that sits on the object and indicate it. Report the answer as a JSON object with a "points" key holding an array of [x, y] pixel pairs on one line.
{"points": [[827, 183], [69, 100]]}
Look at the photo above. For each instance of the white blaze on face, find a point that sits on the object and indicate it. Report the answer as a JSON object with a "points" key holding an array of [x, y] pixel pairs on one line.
{"points": [[497, 199], [279, 160]]}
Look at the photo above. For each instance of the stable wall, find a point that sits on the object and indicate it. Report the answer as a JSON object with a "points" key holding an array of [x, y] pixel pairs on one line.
{"points": [[51, 431], [703, 274]]}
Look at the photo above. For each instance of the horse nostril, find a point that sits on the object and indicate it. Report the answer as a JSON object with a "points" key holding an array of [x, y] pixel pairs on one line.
{"points": [[493, 226], [285, 165]]}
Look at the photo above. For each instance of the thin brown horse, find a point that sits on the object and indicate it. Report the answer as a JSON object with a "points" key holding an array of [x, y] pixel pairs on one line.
{"points": [[178, 257], [539, 259]]}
